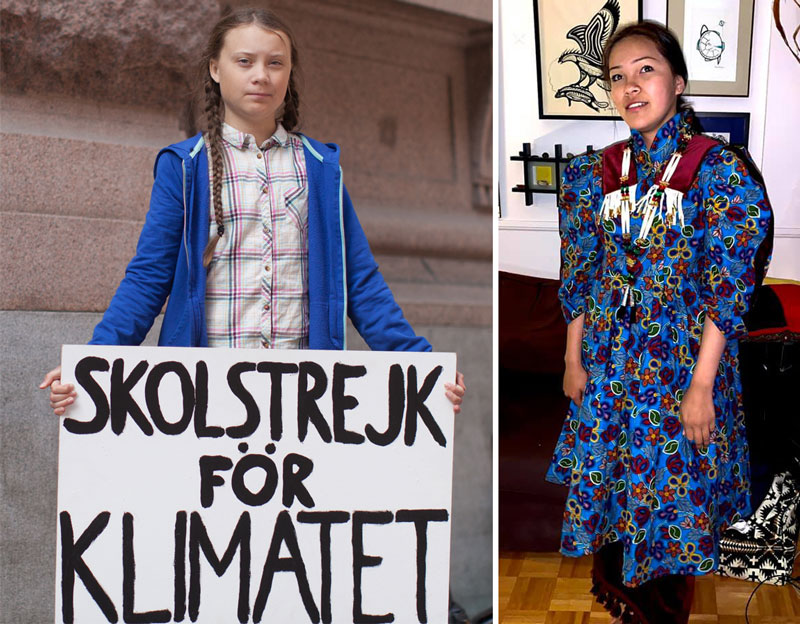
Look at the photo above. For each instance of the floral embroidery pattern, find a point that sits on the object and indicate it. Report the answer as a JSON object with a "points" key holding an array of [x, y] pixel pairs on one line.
{"points": [[632, 475]]}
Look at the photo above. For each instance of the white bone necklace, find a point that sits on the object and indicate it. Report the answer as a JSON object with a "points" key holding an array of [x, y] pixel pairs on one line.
{"points": [[659, 201]]}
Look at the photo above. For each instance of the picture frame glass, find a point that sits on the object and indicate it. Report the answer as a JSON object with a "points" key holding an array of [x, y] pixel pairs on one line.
{"points": [[543, 176], [711, 43], [732, 128], [716, 38], [570, 37]]}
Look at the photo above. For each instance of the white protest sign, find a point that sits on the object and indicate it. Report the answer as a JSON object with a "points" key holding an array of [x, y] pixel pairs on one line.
{"points": [[231, 485]]}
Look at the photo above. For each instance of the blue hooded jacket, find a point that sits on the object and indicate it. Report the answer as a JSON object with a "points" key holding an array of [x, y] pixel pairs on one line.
{"points": [[343, 277]]}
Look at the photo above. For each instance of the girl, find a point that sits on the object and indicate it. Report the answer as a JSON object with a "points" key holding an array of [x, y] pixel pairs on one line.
{"points": [[661, 236], [251, 237]]}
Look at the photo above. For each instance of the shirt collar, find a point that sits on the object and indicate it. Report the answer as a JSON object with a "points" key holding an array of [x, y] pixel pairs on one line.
{"points": [[242, 140], [665, 141]]}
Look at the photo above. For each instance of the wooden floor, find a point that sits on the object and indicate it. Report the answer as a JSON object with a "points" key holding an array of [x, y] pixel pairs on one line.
{"points": [[546, 588]]}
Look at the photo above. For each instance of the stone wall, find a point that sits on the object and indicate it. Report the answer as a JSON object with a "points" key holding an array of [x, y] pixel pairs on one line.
{"points": [[92, 90]]}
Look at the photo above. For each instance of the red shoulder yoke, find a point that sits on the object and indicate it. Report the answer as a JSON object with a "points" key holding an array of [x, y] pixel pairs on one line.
{"points": [[681, 180], [612, 168]]}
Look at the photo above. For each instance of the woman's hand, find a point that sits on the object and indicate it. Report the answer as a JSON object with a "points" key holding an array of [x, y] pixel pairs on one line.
{"points": [[575, 379], [455, 392], [697, 413], [61, 395], [697, 406], [575, 376]]}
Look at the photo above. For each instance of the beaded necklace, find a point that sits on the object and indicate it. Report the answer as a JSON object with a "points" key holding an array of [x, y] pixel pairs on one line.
{"points": [[660, 201]]}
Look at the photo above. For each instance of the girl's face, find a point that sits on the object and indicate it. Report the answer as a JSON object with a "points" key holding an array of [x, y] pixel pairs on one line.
{"points": [[643, 87], [253, 72]]}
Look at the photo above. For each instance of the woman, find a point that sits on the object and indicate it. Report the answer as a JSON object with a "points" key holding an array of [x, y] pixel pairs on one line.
{"points": [[660, 247], [251, 238]]}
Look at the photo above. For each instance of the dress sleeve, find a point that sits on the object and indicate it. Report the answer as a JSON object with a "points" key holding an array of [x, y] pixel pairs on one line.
{"points": [[737, 240], [581, 240]]}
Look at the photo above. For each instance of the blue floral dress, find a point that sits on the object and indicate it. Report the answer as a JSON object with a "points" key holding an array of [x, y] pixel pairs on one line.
{"points": [[632, 475]]}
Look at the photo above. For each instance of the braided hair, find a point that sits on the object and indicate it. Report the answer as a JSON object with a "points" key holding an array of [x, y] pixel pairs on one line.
{"points": [[289, 114]]}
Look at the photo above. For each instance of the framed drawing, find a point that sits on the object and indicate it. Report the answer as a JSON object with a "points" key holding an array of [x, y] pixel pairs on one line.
{"points": [[716, 37], [733, 128], [570, 37]]}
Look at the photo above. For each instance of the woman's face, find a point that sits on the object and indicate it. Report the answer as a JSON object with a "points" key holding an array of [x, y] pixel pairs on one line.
{"points": [[643, 87], [253, 72]]}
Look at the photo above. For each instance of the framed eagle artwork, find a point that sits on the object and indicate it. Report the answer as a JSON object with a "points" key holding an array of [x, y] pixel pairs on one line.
{"points": [[570, 37]]}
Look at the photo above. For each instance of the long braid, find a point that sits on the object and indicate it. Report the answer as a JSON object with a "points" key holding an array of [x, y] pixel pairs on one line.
{"points": [[291, 103], [214, 120]]}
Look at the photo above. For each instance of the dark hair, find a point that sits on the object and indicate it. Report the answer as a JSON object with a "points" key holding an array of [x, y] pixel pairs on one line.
{"points": [[213, 99], [666, 43]]}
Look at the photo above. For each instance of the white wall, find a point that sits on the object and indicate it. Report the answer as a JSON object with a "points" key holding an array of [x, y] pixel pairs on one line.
{"points": [[528, 235]]}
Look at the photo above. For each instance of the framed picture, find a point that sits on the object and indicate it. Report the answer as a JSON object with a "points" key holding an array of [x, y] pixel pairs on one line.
{"points": [[716, 37], [733, 128], [570, 37], [540, 174], [544, 176]]}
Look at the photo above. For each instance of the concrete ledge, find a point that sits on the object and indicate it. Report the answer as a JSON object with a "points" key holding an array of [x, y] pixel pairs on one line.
{"points": [[429, 233], [76, 263], [85, 119], [428, 270], [442, 304]]}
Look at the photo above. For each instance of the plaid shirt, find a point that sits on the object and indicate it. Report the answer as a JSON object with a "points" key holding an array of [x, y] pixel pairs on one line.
{"points": [[257, 283]]}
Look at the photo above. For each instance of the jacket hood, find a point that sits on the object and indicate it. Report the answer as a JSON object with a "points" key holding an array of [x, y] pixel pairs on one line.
{"points": [[188, 148], [324, 152]]}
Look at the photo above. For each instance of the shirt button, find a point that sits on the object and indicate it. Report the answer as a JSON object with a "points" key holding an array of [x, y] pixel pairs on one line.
{"points": [[266, 268], [265, 344], [259, 155], [266, 306]]}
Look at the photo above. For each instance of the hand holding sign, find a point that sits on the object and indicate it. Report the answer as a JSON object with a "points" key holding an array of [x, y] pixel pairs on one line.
{"points": [[455, 392], [61, 395]]}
